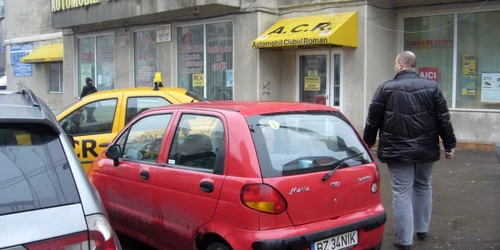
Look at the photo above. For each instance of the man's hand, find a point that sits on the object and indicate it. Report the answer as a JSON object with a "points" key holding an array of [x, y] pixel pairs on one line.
{"points": [[449, 155]]}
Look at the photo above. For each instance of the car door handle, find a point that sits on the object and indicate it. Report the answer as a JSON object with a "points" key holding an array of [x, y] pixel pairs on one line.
{"points": [[104, 144], [207, 186], [144, 174]]}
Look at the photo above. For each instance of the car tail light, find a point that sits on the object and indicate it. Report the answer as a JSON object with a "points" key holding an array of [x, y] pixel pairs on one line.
{"points": [[101, 235], [376, 182], [263, 198], [70, 242]]}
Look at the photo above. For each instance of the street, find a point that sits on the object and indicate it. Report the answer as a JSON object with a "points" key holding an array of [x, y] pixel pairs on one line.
{"points": [[466, 193]]}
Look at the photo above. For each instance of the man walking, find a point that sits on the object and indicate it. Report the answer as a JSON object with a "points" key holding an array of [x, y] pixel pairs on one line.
{"points": [[411, 114], [87, 90]]}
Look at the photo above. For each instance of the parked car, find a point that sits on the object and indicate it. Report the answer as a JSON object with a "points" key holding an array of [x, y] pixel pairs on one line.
{"points": [[3, 83], [46, 201], [96, 119], [236, 175]]}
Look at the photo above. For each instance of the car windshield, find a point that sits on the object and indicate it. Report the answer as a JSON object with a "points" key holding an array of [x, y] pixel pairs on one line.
{"points": [[289, 144], [34, 172]]}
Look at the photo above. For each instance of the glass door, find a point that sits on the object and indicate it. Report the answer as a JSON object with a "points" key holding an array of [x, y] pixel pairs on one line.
{"points": [[314, 77]]}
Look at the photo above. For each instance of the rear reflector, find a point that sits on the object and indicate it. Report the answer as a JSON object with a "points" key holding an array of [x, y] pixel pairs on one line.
{"points": [[263, 198], [101, 235], [71, 242]]}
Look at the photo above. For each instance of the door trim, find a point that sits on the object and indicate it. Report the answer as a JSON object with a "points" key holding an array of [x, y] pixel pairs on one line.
{"points": [[297, 70], [339, 51]]}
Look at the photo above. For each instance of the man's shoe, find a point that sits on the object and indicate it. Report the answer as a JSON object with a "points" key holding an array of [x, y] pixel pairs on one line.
{"points": [[402, 247], [422, 236]]}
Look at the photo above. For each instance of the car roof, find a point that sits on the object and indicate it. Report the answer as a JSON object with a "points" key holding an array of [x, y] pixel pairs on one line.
{"points": [[140, 89], [251, 108], [23, 106]]}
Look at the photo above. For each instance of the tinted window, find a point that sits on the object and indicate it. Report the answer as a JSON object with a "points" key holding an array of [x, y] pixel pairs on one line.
{"points": [[137, 105], [145, 137], [93, 118], [34, 170], [197, 140], [290, 144]]}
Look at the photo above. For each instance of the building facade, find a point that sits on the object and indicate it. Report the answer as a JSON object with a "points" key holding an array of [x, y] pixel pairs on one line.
{"points": [[29, 32], [331, 52]]}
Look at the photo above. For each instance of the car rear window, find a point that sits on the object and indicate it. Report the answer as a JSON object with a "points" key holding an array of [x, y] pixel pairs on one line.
{"points": [[34, 171], [300, 143]]}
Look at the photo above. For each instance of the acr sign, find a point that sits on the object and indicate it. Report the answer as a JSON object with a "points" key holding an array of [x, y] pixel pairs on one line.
{"points": [[430, 73]]}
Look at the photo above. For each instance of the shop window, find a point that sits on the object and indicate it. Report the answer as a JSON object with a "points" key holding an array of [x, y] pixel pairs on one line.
{"points": [[431, 39], [478, 73], [56, 77], [145, 57], [96, 59], [206, 69]]}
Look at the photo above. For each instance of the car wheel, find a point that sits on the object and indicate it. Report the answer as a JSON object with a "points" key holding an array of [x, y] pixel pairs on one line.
{"points": [[218, 246]]}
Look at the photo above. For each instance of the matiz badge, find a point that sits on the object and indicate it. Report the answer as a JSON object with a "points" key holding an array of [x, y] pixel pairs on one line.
{"points": [[365, 178], [299, 190]]}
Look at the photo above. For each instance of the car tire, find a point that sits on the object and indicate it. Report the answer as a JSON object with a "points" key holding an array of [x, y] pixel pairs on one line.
{"points": [[218, 246]]}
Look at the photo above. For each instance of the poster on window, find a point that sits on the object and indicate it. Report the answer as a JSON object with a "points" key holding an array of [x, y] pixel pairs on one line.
{"points": [[490, 88], [146, 59], [18, 51], [469, 85], [219, 60], [85, 71], [105, 62], [190, 57], [469, 64]]}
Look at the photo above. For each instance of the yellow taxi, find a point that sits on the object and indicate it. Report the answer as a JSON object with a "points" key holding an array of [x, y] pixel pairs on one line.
{"points": [[96, 119]]}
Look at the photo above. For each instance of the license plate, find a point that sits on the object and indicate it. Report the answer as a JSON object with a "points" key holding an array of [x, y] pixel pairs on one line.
{"points": [[338, 242]]}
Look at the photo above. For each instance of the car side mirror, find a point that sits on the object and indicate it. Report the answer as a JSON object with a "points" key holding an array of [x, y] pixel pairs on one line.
{"points": [[114, 152], [71, 140]]}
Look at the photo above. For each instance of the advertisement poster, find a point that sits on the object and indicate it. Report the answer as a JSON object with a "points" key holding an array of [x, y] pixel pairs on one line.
{"points": [[163, 33], [431, 73], [229, 78], [190, 56], [490, 88], [198, 80], [312, 83], [469, 85], [105, 63], [18, 51], [469, 64], [145, 58], [85, 71]]}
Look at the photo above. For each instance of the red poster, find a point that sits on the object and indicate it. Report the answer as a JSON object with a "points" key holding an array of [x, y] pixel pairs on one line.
{"points": [[431, 73]]}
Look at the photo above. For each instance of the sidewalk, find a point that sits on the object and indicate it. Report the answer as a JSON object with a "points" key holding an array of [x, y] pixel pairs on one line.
{"points": [[466, 192]]}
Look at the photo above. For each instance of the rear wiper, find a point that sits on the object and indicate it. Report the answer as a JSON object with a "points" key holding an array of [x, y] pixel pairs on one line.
{"points": [[337, 165]]}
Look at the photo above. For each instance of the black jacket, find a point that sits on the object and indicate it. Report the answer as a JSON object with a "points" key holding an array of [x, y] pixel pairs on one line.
{"points": [[87, 90], [411, 114]]}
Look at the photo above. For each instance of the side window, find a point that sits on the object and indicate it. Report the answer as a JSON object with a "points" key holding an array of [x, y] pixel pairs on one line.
{"points": [[136, 105], [93, 118], [145, 137], [197, 141]]}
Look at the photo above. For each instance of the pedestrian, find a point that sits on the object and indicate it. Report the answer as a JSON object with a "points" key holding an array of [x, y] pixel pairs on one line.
{"points": [[410, 114], [90, 108]]}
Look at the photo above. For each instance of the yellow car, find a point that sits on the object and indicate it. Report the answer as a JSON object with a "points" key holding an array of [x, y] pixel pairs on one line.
{"points": [[96, 119]]}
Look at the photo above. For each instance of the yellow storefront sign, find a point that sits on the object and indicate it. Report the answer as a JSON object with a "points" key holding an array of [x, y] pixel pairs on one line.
{"points": [[60, 5], [198, 80], [46, 53], [334, 29], [312, 83]]}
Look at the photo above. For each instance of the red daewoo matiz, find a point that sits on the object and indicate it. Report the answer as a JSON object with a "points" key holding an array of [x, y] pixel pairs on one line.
{"points": [[242, 175]]}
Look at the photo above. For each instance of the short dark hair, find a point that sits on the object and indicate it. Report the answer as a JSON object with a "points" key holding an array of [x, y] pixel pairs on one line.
{"points": [[408, 59]]}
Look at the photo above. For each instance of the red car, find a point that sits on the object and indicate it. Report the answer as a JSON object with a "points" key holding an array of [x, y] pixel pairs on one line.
{"points": [[242, 175]]}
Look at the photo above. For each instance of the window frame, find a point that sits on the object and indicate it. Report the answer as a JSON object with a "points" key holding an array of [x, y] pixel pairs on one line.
{"points": [[176, 47], [77, 87], [126, 133], [82, 106], [455, 12], [220, 160], [61, 83], [133, 83]]}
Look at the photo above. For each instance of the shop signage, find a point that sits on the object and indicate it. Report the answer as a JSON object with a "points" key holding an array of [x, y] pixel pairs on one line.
{"points": [[312, 83], [18, 51], [60, 5], [198, 80], [163, 33], [490, 88], [429, 42], [430, 73]]}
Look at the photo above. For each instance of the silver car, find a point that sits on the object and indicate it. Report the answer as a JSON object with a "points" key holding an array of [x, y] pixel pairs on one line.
{"points": [[46, 201]]}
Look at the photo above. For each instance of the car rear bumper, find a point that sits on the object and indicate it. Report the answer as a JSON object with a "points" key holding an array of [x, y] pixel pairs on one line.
{"points": [[369, 223]]}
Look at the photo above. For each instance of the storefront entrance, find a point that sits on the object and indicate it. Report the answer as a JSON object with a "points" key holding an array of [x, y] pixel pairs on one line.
{"points": [[320, 77]]}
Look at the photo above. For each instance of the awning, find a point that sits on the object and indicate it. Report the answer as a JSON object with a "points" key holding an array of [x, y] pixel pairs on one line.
{"points": [[334, 29], [46, 53]]}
